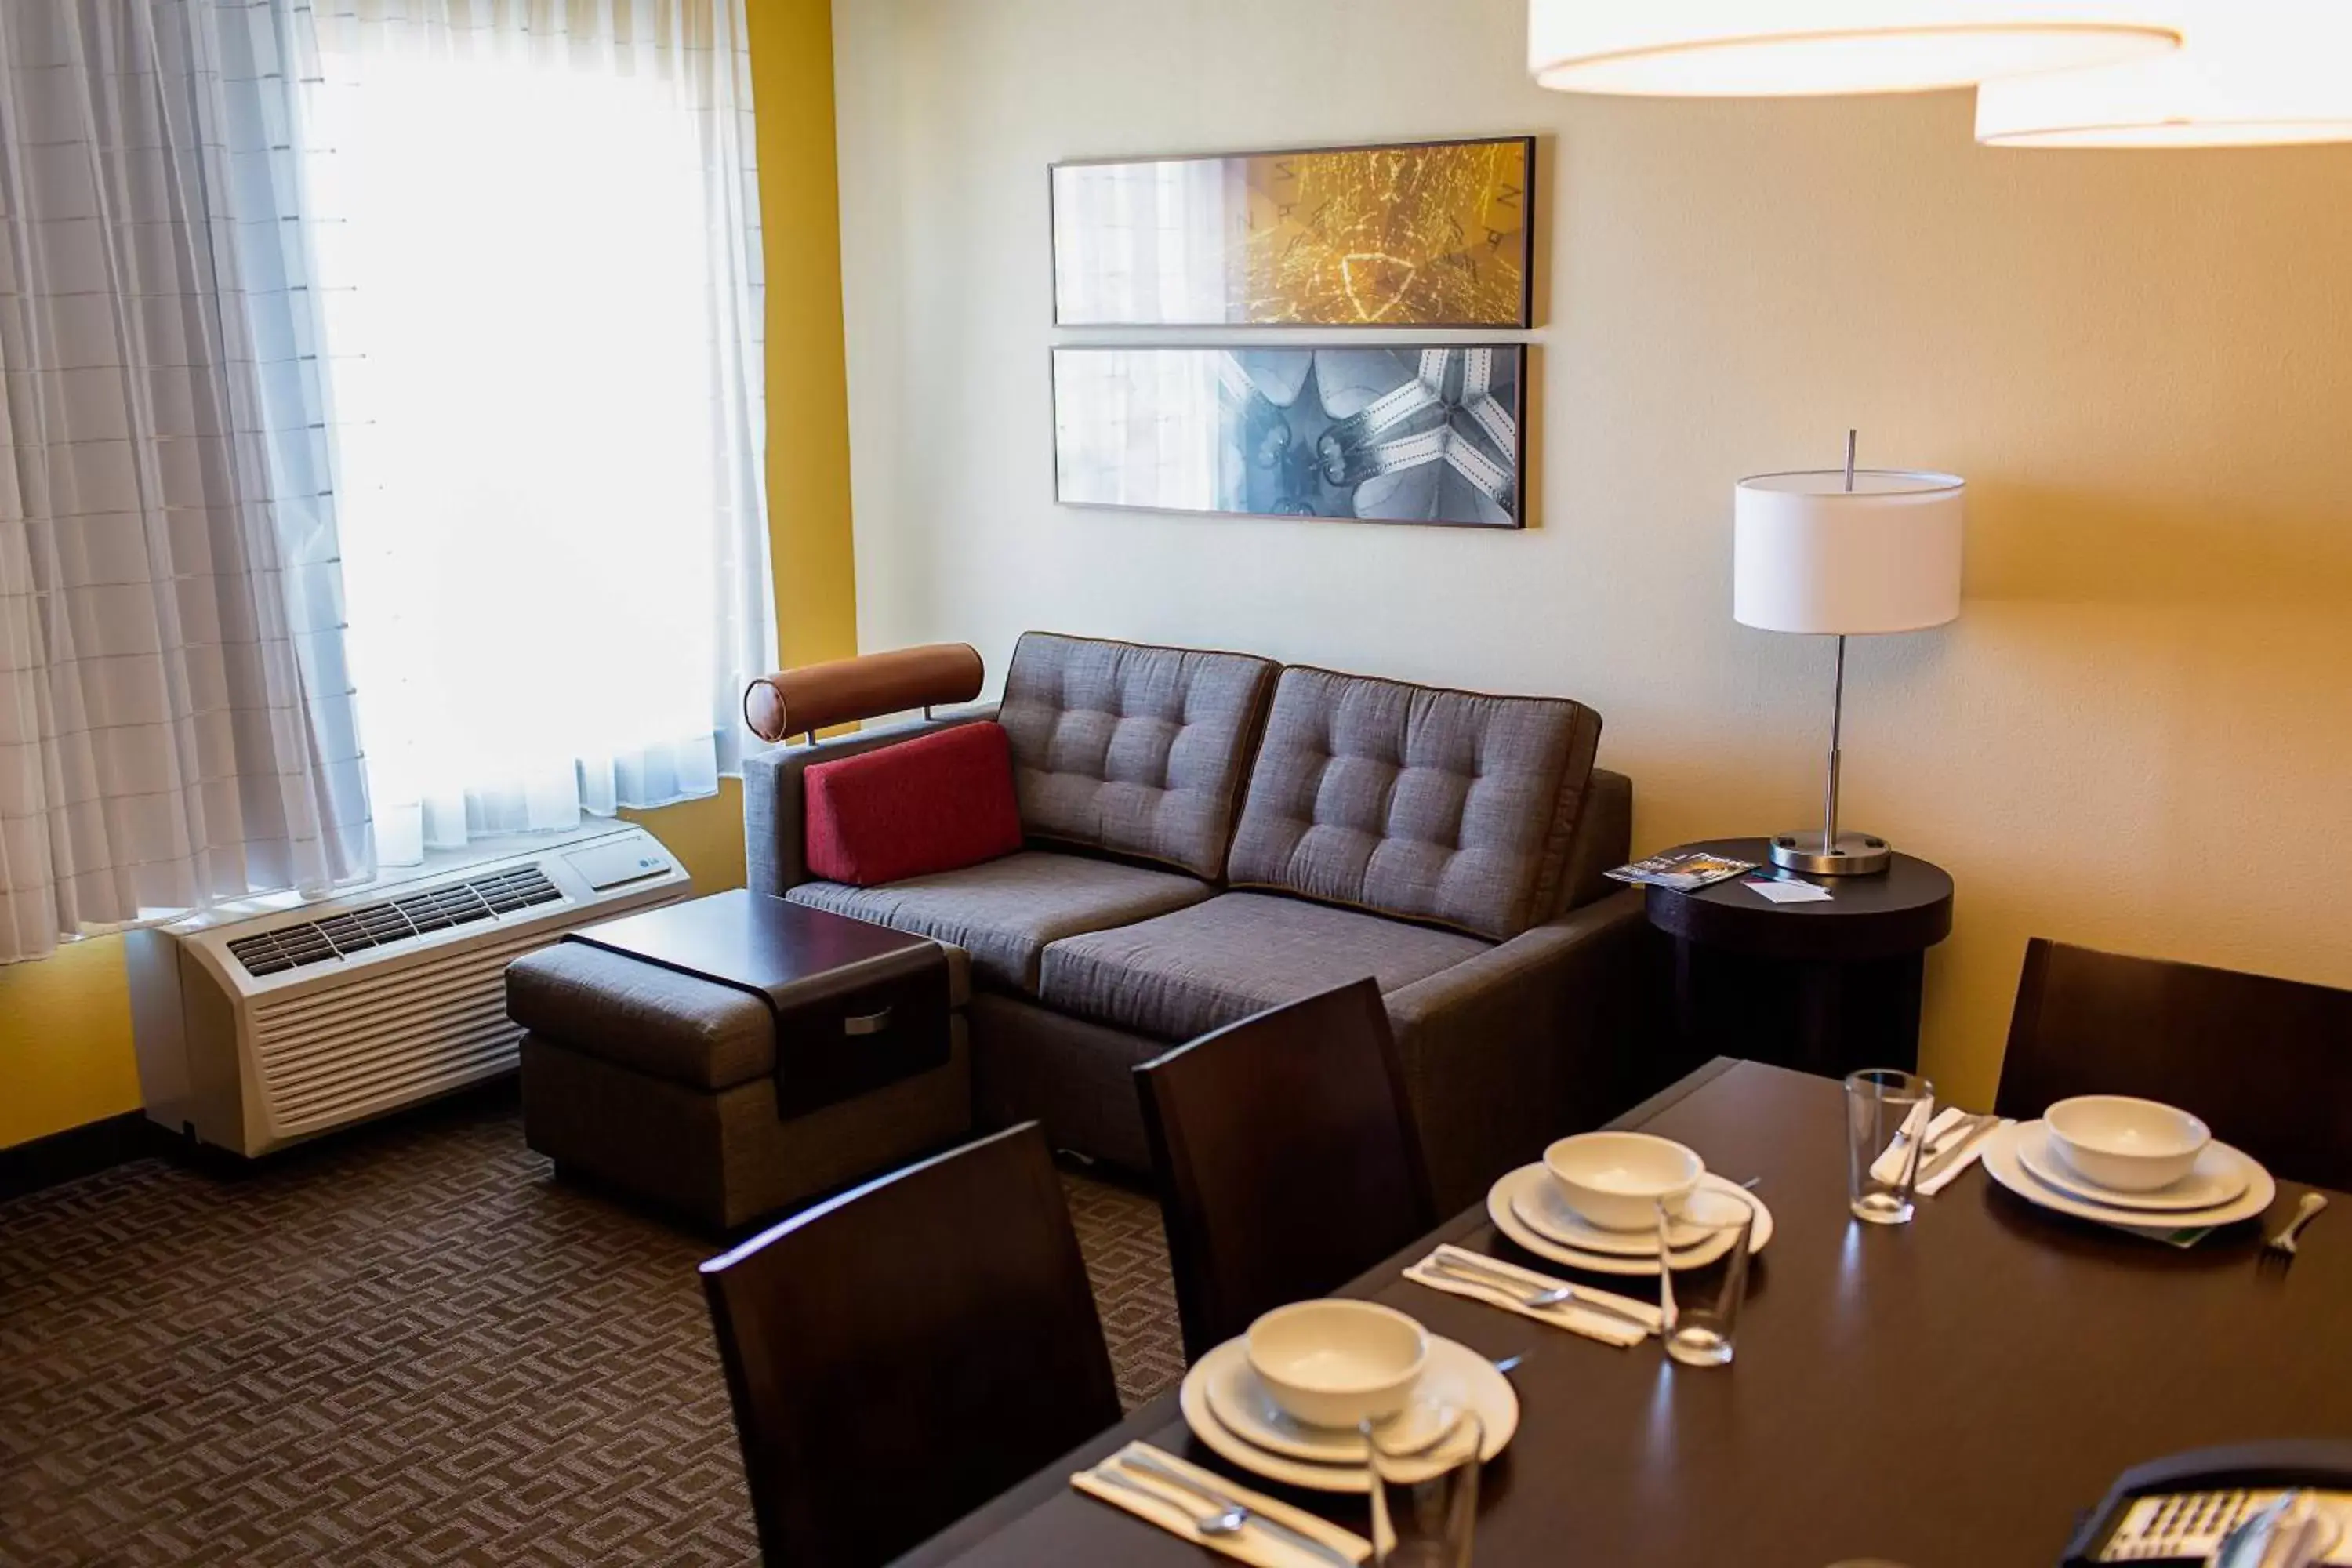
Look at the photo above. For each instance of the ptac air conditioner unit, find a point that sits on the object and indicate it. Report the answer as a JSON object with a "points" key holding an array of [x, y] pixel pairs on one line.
{"points": [[258, 1032]]}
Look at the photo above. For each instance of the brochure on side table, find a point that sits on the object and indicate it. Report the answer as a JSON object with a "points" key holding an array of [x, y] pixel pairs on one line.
{"points": [[1685, 872]]}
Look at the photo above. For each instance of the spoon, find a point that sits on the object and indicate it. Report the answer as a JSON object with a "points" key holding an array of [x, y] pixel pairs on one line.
{"points": [[1231, 1516], [1227, 1521]]}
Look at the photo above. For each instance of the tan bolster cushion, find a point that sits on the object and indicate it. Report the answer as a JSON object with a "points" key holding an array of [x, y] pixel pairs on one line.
{"points": [[844, 690]]}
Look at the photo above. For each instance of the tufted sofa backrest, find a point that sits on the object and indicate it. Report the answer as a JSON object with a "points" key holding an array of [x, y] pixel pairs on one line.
{"points": [[1135, 750], [1443, 806]]}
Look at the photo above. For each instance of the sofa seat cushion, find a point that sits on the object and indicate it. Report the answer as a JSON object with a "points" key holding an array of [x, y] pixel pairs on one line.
{"points": [[1003, 912], [1183, 974], [1411, 800], [1138, 750], [656, 1021]]}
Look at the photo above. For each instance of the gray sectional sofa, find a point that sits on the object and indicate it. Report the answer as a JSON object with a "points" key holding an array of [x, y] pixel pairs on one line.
{"points": [[1212, 834]]}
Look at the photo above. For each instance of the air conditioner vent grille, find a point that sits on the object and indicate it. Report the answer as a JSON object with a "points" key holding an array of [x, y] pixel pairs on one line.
{"points": [[460, 903]]}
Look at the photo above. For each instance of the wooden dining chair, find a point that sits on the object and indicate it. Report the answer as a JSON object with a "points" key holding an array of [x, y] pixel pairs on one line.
{"points": [[2266, 1063], [1287, 1158], [901, 1353]]}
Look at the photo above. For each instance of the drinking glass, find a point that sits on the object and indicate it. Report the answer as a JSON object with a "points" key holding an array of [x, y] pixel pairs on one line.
{"points": [[1700, 1299], [1886, 1116], [1425, 1488]]}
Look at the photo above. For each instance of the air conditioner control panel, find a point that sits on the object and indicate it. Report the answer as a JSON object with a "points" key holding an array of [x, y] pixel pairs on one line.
{"points": [[607, 866]]}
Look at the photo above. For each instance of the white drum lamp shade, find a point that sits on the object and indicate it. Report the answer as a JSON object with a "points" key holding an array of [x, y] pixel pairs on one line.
{"points": [[2254, 73], [1749, 49], [1846, 553], [1809, 556]]}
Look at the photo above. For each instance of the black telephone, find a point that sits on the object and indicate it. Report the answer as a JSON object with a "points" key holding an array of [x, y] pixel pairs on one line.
{"points": [[2181, 1508]]}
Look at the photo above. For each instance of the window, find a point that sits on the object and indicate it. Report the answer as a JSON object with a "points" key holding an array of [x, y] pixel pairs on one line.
{"points": [[538, 259]]}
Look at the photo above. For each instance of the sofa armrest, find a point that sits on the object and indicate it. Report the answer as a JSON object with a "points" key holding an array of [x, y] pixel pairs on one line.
{"points": [[1523, 1044], [1603, 839], [775, 849]]}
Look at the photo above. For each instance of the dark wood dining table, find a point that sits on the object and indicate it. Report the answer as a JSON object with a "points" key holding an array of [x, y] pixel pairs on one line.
{"points": [[1952, 1394]]}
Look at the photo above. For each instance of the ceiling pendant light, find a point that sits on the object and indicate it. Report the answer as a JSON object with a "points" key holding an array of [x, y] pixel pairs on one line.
{"points": [[1771, 48], [2254, 73]]}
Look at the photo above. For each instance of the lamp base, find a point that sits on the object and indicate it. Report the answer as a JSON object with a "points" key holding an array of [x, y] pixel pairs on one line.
{"points": [[1854, 854]]}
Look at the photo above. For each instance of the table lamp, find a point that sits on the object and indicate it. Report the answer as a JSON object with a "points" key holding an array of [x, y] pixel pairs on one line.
{"points": [[1845, 554]]}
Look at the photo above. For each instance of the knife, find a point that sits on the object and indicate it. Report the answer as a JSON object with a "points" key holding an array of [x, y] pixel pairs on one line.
{"points": [[1956, 1149]]}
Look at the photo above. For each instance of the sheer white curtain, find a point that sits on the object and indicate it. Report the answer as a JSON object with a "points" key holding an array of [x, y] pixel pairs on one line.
{"points": [[537, 239], [176, 719]]}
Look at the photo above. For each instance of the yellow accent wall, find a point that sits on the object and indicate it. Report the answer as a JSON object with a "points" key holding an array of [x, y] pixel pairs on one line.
{"points": [[808, 416], [65, 1041], [65, 1055]]}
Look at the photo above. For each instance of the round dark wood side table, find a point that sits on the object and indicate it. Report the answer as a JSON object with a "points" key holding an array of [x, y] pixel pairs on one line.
{"points": [[1824, 987]]}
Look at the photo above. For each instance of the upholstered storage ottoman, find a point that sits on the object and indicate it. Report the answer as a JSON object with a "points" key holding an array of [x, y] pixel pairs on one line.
{"points": [[677, 1089]]}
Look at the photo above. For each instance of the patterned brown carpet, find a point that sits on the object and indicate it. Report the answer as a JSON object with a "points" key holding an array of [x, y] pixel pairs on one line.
{"points": [[408, 1345]]}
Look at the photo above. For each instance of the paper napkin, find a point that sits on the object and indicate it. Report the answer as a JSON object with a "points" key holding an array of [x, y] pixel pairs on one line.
{"points": [[1916, 1128], [1960, 1167], [1566, 1315], [1162, 1502], [1789, 892]]}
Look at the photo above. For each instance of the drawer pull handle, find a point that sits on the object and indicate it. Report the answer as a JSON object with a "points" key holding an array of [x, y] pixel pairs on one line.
{"points": [[866, 1023]]}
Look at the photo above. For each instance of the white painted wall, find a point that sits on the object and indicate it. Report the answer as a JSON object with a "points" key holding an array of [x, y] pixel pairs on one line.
{"points": [[2137, 735]]}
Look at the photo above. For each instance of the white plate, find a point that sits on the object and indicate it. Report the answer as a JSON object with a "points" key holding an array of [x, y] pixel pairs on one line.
{"points": [[2219, 1176], [1470, 1377], [2001, 1161], [1240, 1400], [1546, 1210], [1503, 1206]]}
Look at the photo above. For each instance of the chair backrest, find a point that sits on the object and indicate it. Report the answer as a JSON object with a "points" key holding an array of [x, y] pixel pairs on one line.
{"points": [[2266, 1063], [1287, 1158], [900, 1354]]}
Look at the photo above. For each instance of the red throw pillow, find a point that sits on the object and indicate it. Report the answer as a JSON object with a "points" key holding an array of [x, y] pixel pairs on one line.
{"points": [[937, 803]]}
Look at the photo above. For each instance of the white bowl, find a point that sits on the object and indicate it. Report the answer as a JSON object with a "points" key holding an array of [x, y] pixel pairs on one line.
{"points": [[1338, 1363], [2127, 1145], [1616, 1179]]}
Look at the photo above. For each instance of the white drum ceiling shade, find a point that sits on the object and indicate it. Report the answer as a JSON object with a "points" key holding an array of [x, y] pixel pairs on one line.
{"points": [[2254, 73], [1809, 556], [1770, 48]]}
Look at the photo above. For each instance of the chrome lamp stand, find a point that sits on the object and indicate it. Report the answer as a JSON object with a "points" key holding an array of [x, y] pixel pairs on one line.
{"points": [[1829, 853]]}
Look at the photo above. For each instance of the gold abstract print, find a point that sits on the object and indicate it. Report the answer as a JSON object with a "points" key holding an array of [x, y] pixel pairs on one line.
{"points": [[1391, 236]]}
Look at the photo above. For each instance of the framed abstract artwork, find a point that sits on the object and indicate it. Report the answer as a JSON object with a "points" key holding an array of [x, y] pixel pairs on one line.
{"points": [[1379, 434], [1427, 234]]}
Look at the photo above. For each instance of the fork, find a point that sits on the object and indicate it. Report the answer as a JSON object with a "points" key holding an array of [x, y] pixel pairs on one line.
{"points": [[2282, 1246], [1520, 1290]]}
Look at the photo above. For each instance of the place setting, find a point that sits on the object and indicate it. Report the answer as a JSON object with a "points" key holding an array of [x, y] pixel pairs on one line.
{"points": [[1593, 1205], [2135, 1164], [1299, 1398], [1342, 1396], [1628, 1204]]}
